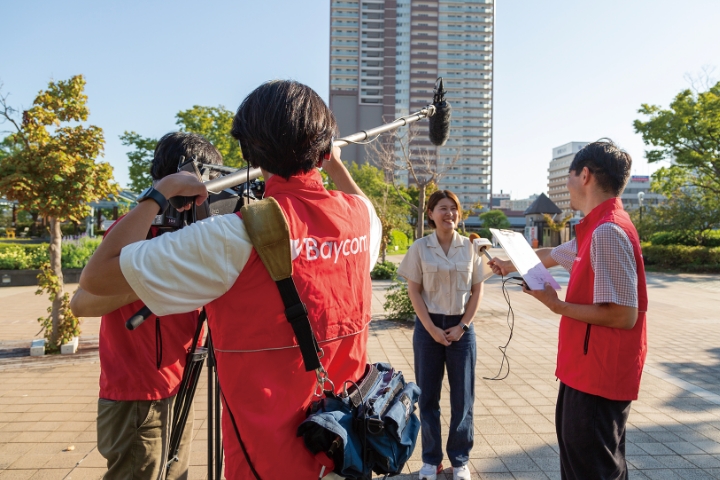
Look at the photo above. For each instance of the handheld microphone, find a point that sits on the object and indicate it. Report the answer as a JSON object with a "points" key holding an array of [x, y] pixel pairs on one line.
{"points": [[439, 129]]}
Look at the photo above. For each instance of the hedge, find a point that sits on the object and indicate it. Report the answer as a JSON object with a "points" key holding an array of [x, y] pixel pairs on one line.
{"points": [[75, 254], [682, 257], [708, 239]]}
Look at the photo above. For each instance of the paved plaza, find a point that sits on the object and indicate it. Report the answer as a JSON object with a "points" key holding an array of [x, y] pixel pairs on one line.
{"points": [[48, 405]]}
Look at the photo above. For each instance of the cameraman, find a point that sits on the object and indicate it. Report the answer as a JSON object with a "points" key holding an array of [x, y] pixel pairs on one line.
{"points": [[286, 129], [140, 371]]}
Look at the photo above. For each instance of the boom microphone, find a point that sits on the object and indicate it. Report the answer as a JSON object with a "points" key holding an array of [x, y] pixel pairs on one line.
{"points": [[438, 114], [439, 129]]}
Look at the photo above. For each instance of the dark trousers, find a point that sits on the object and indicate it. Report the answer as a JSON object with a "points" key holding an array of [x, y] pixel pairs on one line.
{"points": [[431, 359], [591, 435]]}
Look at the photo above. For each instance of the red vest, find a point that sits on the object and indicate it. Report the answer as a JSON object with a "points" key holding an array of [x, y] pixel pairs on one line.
{"points": [[128, 359], [259, 364], [594, 359]]}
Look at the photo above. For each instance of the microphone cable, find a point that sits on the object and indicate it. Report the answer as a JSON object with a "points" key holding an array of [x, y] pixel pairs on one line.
{"points": [[510, 318]]}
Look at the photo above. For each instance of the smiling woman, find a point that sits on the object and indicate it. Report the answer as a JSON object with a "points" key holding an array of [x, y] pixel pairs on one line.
{"points": [[444, 277]]}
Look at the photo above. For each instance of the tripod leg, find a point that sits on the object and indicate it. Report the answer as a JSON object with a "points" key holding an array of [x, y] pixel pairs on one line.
{"points": [[186, 393]]}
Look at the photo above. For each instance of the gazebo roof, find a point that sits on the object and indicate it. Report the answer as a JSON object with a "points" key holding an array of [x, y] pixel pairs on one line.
{"points": [[543, 204], [123, 197]]}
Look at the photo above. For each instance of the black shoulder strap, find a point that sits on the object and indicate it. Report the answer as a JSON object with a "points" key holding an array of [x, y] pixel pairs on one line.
{"points": [[267, 227]]}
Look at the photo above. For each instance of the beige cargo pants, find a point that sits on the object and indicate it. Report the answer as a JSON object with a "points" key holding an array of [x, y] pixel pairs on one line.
{"points": [[134, 436]]}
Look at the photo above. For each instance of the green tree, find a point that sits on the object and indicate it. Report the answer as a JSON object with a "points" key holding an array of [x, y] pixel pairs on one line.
{"points": [[687, 134], [688, 211], [213, 123], [494, 219], [140, 159], [389, 206], [414, 193], [52, 169]]}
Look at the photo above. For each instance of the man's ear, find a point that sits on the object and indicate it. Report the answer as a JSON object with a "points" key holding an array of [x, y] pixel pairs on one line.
{"points": [[585, 175]]}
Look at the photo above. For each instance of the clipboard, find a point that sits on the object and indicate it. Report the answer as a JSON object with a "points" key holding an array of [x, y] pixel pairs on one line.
{"points": [[526, 261]]}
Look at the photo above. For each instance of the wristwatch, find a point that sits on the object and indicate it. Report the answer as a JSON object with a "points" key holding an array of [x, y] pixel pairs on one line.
{"points": [[466, 328], [159, 198]]}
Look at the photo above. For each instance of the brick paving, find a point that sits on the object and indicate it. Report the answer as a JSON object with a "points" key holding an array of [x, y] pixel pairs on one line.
{"points": [[49, 404]]}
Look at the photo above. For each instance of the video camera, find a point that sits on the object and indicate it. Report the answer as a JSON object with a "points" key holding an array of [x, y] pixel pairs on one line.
{"points": [[228, 200]]}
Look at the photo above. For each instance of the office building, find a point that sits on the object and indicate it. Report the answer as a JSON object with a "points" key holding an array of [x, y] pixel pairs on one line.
{"points": [[499, 200], [522, 204], [636, 185], [562, 157], [385, 56]]}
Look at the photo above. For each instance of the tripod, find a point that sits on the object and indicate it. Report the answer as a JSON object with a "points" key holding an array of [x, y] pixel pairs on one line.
{"points": [[186, 394]]}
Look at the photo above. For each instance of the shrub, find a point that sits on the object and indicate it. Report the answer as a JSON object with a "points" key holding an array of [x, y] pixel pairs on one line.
{"points": [[384, 271], [399, 239], [75, 254], [710, 238], [14, 256], [397, 302], [485, 233], [683, 257]]}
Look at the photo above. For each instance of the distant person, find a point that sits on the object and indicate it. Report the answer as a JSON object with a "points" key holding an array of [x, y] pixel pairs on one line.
{"points": [[603, 341], [141, 370], [444, 277]]}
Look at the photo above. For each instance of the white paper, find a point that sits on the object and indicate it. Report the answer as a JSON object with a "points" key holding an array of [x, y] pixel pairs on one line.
{"points": [[526, 261]]}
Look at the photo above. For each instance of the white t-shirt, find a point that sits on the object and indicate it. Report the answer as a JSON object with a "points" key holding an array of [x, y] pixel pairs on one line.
{"points": [[181, 271]]}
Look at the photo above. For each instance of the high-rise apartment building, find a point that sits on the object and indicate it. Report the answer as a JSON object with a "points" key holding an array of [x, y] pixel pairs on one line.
{"points": [[385, 56], [562, 157]]}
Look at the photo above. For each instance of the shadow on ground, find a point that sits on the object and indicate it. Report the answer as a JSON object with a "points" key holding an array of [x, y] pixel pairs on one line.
{"points": [[698, 374]]}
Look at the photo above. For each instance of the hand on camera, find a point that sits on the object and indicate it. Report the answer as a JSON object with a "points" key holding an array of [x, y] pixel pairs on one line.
{"points": [[501, 267], [183, 184]]}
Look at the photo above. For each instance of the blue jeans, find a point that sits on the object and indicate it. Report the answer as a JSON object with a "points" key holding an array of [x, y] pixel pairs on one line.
{"points": [[431, 359]]}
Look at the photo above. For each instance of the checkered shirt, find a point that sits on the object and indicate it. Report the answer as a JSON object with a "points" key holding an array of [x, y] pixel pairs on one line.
{"points": [[612, 260]]}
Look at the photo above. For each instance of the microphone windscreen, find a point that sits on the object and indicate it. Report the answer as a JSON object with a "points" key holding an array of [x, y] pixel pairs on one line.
{"points": [[439, 128]]}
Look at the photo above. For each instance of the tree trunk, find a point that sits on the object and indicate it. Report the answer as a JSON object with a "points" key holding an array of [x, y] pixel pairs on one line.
{"points": [[420, 227], [56, 266]]}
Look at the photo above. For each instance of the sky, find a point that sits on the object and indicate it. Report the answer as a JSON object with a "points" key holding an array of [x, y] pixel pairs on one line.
{"points": [[565, 70]]}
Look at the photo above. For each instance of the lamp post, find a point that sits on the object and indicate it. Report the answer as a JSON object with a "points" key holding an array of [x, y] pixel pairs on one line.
{"points": [[641, 197]]}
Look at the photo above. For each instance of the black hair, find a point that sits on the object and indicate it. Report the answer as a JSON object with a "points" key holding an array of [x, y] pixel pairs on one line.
{"points": [[607, 162], [435, 199], [284, 127], [174, 145]]}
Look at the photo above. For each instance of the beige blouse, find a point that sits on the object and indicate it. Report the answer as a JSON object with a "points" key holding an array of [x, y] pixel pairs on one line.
{"points": [[446, 279]]}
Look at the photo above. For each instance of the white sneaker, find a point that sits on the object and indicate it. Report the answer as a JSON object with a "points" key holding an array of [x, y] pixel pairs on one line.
{"points": [[429, 472], [461, 473]]}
